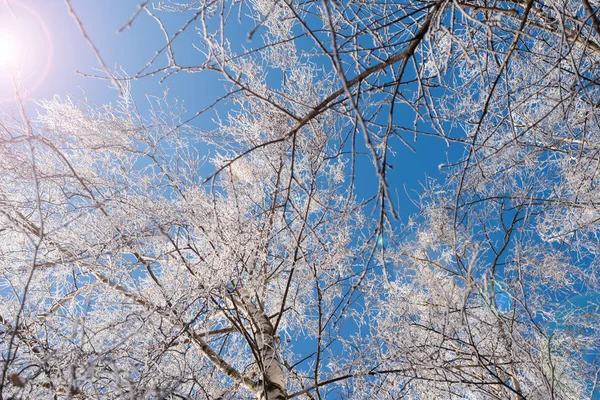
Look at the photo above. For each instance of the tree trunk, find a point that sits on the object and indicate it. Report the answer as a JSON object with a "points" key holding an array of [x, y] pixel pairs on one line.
{"points": [[272, 384]]}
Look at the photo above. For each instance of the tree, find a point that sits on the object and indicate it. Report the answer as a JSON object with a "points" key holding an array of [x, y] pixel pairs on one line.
{"points": [[135, 265], [152, 284]]}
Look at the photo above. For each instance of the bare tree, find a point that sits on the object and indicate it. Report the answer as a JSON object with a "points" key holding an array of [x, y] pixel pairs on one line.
{"points": [[146, 258]]}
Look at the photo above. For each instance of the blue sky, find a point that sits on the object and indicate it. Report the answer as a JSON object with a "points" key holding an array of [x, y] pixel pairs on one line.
{"points": [[129, 50]]}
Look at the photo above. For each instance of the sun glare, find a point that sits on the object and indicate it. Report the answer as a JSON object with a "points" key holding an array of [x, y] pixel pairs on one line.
{"points": [[9, 52], [25, 48]]}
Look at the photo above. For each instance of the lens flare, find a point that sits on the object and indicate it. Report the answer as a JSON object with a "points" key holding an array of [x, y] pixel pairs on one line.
{"points": [[25, 49]]}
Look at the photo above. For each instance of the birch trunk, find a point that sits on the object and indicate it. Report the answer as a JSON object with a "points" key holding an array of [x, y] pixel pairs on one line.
{"points": [[272, 385]]}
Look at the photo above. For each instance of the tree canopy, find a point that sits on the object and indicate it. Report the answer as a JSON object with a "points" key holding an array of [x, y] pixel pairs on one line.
{"points": [[143, 255]]}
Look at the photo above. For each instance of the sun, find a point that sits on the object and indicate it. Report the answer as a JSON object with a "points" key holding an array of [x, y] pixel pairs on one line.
{"points": [[9, 51], [25, 48]]}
